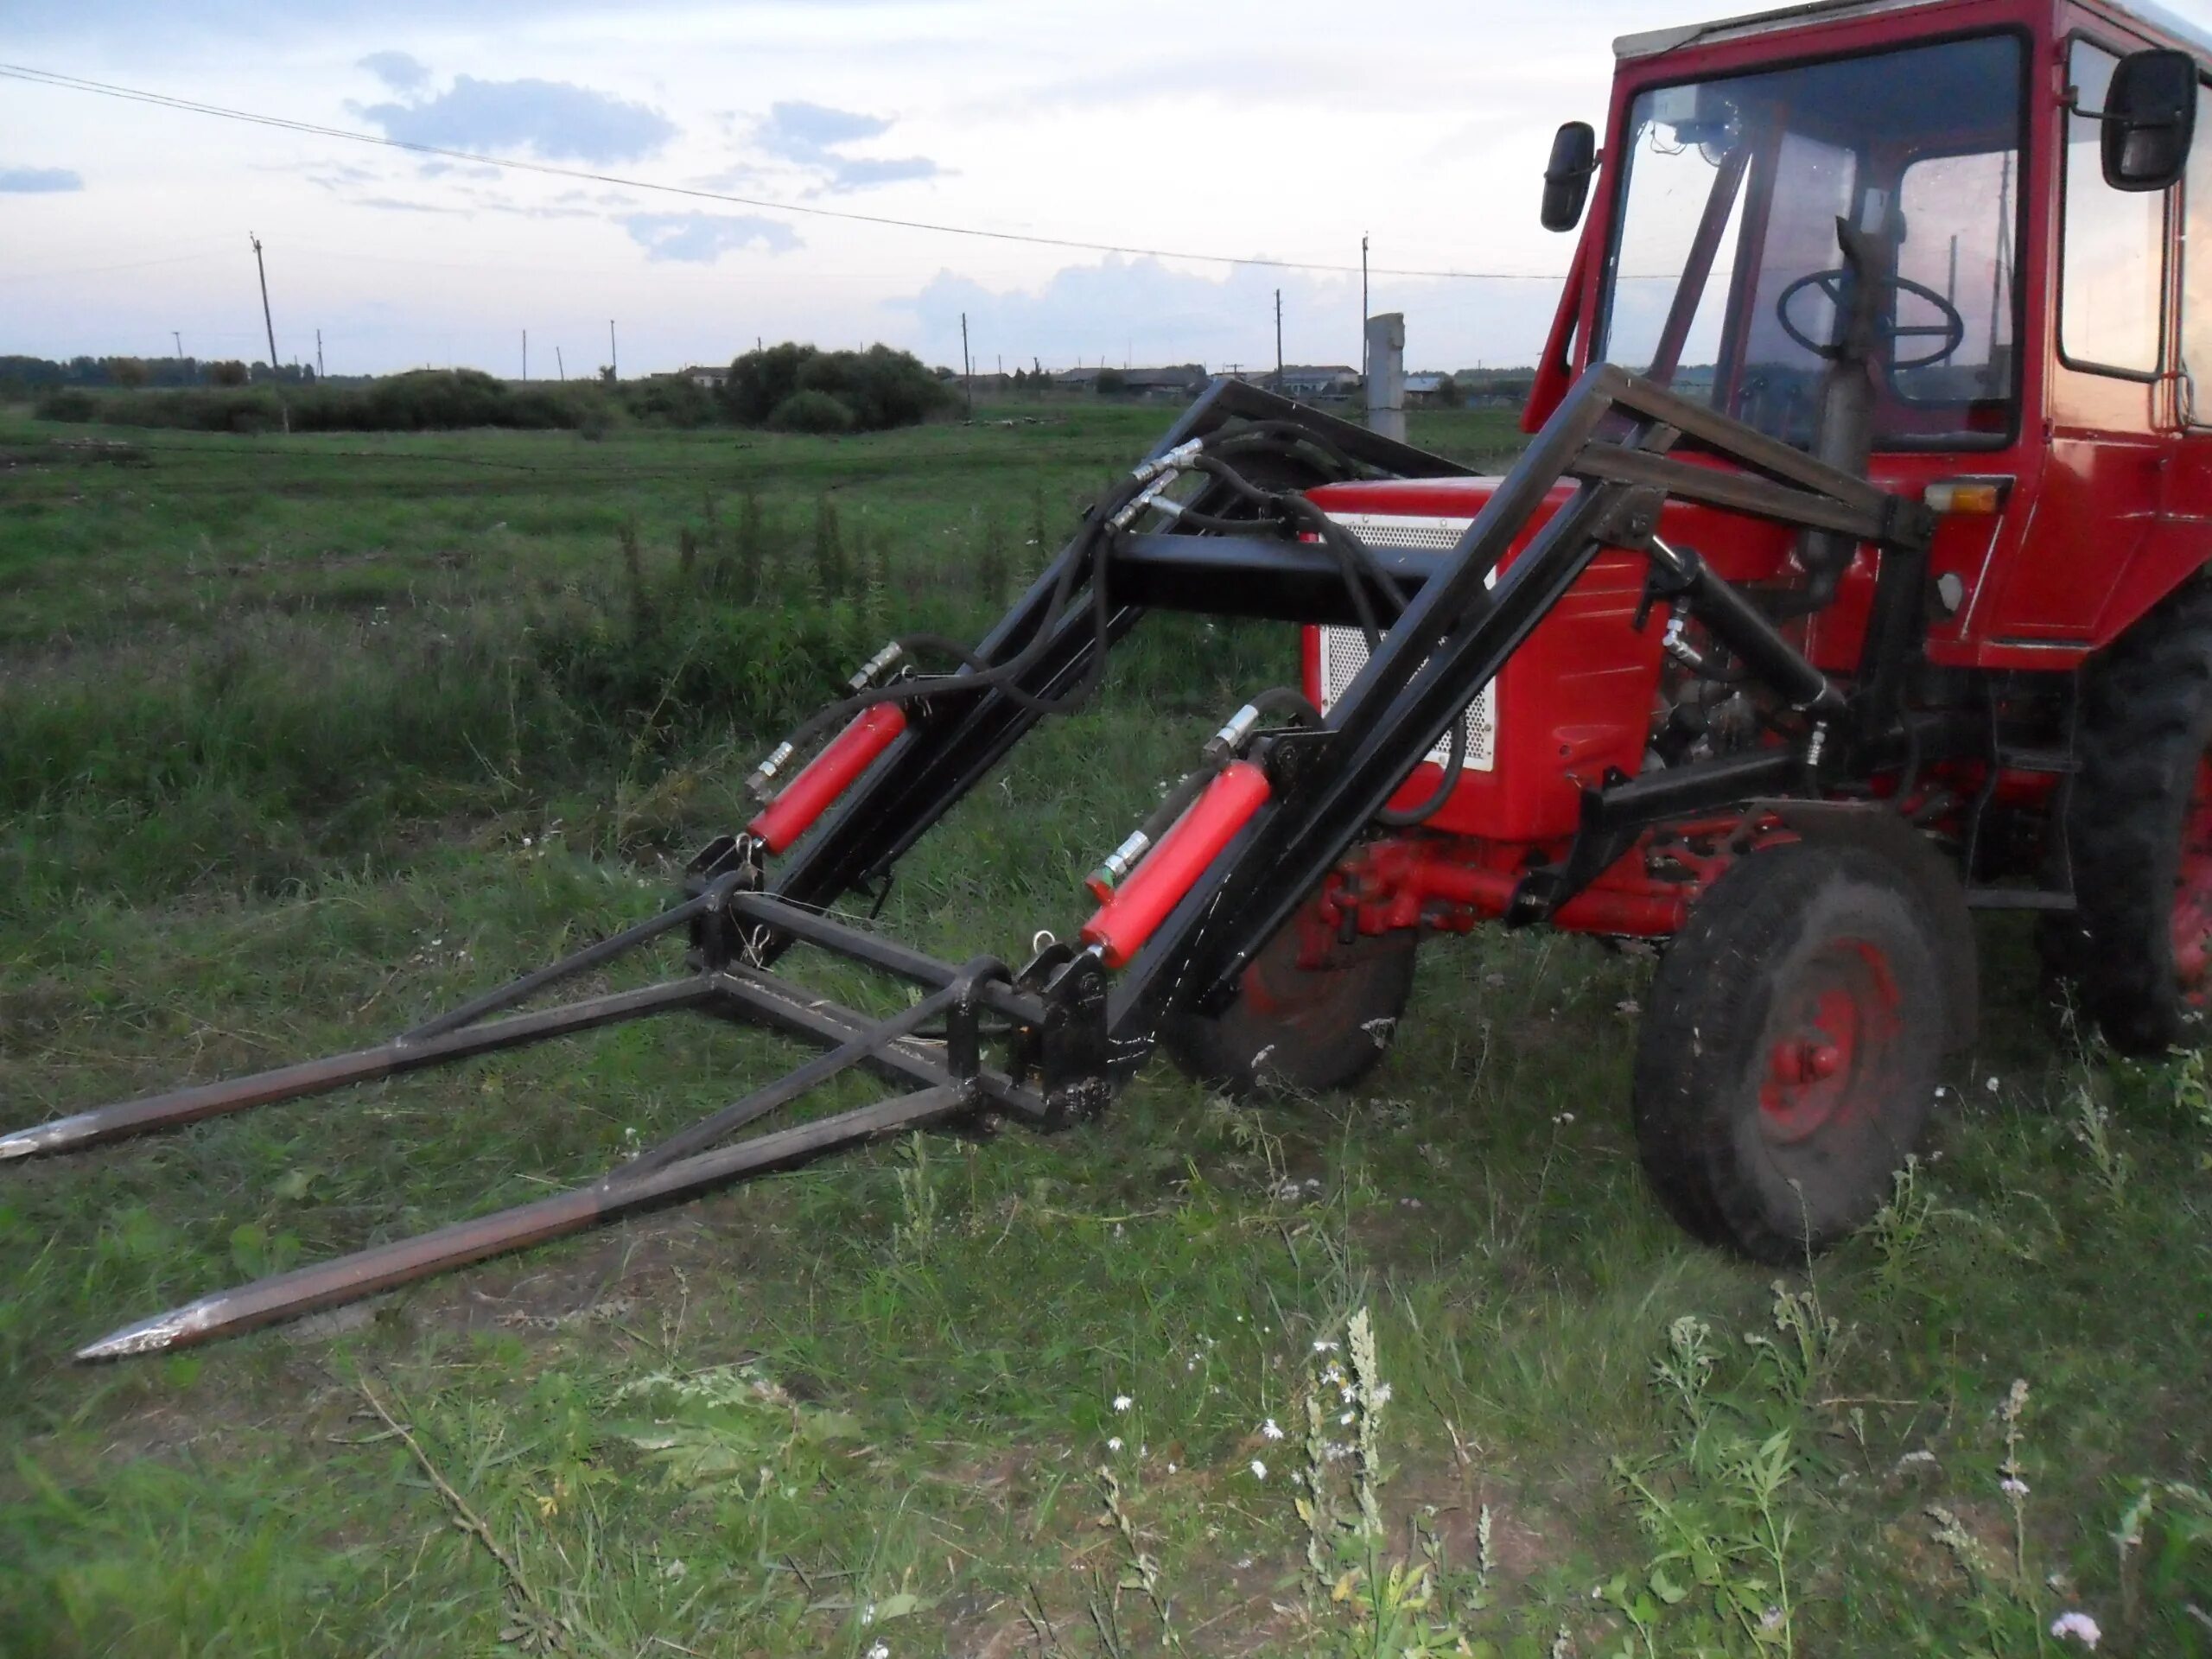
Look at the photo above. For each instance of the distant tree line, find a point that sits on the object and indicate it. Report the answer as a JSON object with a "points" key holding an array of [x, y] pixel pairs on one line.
{"points": [[788, 388], [20, 375]]}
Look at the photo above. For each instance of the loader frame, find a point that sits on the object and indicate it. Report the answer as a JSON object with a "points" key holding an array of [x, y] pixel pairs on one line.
{"points": [[1048, 1045]]}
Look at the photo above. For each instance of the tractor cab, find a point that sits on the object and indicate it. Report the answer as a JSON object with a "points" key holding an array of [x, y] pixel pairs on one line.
{"points": [[1940, 245]]}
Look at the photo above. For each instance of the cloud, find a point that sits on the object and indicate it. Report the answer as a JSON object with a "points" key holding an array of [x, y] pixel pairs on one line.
{"points": [[400, 205], [701, 239], [803, 132], [807, 136], [860, 174], [38, 180], [555, 119], [396, 70]]}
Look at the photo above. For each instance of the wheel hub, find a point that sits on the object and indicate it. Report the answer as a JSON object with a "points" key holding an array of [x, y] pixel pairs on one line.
{"points": [[1828, 1040]]}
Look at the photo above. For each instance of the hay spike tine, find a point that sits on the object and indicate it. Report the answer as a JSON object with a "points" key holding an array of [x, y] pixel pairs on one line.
{"points": [[383, 1266]]}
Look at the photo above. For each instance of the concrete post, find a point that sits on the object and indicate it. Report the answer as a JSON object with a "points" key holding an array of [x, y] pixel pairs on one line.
{"points": [[1386, 375]]}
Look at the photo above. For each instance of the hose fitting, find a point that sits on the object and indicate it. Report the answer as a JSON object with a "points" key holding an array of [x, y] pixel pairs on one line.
{"points": [[874, 665]]}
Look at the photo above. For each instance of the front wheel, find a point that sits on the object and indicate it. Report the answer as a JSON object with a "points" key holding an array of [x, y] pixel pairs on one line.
{"points": [[1787, 1064], [1299, 1029]]}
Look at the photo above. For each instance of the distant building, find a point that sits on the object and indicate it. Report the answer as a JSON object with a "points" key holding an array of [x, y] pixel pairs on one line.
{"points": [[711, 380], [1307, 380], [1176, 382], [1313, 380]]}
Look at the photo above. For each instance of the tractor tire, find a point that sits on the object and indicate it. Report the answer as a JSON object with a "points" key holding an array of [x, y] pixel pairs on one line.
{"points": [[1294, 1030], [2138, 830], [1788, 1064]]}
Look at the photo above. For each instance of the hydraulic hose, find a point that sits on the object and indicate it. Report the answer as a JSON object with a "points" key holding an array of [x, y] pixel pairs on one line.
{"points": [[1365, 583]]}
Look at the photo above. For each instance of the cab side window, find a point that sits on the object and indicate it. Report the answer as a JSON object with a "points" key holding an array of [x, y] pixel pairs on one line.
{"points": [[2113, 258], [2196, 269]]}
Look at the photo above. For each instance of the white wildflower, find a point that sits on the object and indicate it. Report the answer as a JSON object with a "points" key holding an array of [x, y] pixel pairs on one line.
{"points": [[1271, 1430], [1323, 1347], [880, 1650], [1381, 1394], [2012, 1486], [2079, 1626], [1991, 1085], [1113, 1444], [1259, 1469], [1122, 1402]]}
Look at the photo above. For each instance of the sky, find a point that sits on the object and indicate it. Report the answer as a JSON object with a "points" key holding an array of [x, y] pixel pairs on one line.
{"points": [[1283, 131]]}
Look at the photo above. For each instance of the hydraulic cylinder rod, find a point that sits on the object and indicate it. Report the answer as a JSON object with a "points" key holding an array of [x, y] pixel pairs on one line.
{"points": [[829, 775], [1125, 921]]}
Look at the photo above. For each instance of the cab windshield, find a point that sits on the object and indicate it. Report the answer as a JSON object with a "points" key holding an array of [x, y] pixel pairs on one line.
{"points": [[1727, 262]]}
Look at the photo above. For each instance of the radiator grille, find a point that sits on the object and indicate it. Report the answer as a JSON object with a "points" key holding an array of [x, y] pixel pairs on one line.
{"points": [[1343, 652]]}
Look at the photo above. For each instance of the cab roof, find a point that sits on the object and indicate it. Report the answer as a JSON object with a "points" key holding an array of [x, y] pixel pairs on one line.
{"points": [[1651, 43]]}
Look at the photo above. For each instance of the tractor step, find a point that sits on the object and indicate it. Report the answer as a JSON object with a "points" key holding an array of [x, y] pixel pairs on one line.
{"points": [[2018, 899], [2052, 762]]}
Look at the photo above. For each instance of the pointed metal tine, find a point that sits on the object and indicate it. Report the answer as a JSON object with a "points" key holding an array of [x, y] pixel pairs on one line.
{"points": [[338, 1071], [325, 1284]]}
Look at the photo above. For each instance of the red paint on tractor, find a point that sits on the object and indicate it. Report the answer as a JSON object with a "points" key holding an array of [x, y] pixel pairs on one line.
{"points": [[1123, 923], [829, 775]]}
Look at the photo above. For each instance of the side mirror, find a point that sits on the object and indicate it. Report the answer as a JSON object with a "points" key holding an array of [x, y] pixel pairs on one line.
{"points": [[2150, 116], [1566, 175]]}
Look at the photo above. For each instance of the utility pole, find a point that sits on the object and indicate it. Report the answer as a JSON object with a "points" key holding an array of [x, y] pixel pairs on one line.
{"points": [[269, 323], [612, 361], [178, 338], [318, 354], [525, 355], [1277, 342], [967, 368], [1364, 312], [559, 367]]}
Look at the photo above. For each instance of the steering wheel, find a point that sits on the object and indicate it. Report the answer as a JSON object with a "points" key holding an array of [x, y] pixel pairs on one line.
{"points": [[1950, 328]]}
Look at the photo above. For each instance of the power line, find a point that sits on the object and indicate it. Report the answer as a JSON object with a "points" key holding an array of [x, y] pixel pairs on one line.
{"points": [[105, 89]]}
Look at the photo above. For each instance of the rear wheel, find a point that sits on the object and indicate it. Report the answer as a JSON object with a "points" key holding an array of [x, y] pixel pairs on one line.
{"points": [[1788, 1064], [1298, 1029], [2140, 833]]}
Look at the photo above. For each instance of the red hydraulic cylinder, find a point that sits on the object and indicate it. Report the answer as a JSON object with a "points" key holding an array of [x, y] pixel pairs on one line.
{"points": [[829, 775], [1125, 921]]}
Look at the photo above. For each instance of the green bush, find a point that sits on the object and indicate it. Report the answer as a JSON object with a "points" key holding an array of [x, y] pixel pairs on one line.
{"points": [[69, 404], [812, 411], [878, 388], [671, 400]]}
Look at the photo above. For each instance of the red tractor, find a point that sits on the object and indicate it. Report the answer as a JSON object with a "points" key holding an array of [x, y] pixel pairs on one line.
{"points": [[1851, 582]]}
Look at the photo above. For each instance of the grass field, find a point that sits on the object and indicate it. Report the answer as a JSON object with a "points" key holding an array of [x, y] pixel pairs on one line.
{"points": [[301, 740]]}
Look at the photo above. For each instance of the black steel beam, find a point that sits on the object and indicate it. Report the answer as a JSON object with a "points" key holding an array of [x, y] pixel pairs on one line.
{"points": [[764, 1000], [1255, 576], [337, 1071], [1449, 643]]}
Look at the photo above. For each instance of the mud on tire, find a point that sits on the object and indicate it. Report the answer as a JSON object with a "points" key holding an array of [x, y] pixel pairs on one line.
{"points": [[1787, 1064], [2139, 830]]}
